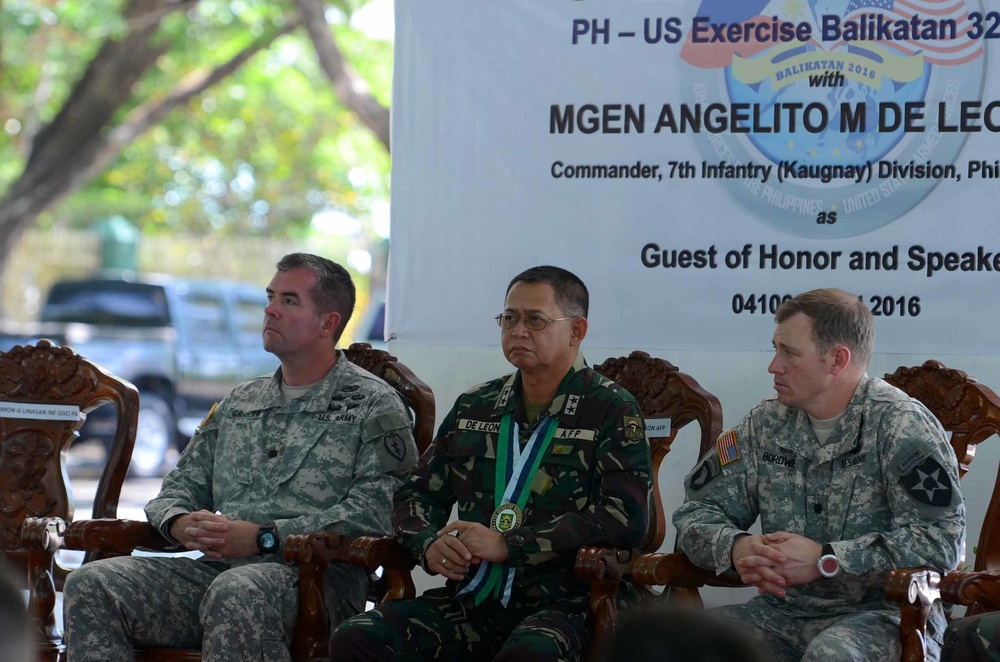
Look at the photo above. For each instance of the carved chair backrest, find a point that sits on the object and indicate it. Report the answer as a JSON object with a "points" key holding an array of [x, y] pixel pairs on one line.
{"points": [[416, 394], [44, 391], [970, 411], [664, 392]]}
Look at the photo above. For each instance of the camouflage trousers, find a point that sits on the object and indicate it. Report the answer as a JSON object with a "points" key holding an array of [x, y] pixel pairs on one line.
{"points": [[865, 636], [232, 610], [973, 639], [437, 625]]}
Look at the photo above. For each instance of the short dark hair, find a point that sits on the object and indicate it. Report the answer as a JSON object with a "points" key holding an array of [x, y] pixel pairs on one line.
{"points": [[571, 294], [838, 317], [333, 289]]}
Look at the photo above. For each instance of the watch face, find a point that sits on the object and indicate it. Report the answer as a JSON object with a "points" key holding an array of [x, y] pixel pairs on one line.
{"points": [[829, 566], [268, 540]]}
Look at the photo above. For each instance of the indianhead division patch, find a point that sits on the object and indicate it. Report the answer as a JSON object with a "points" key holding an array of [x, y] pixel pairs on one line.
{"points": [[928, 483], [728, 447], [634, 429]]}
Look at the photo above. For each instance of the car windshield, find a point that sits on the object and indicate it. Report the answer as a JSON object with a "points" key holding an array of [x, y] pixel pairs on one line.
{"points": [[107, 304]]}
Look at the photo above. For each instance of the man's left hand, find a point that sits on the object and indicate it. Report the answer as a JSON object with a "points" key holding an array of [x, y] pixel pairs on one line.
{"points": [[483, 543]]}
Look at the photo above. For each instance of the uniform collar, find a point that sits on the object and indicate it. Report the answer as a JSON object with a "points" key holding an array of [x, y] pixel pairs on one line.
{"points": [[318, 399], [565, 405]]}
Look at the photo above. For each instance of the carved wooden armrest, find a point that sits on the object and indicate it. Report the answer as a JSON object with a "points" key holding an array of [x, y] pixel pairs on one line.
{"points": [[116, 537], [604, 567], [914, 590], [980, 590], [313, 552], [371, 553], [676, 571]]}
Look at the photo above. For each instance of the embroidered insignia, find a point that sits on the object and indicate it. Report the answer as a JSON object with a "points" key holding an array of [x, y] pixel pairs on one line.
{"points": [[928, 483], [562, 449], [395, 445], [572, 402], [504, 397], [634, 429], [728, 447]]}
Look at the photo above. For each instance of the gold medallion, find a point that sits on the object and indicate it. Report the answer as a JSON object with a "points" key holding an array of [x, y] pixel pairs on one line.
{"points": [[506, 517]]}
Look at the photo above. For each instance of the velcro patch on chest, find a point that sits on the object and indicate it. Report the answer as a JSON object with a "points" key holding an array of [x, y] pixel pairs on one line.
{"points": [[767, 457], [468, 424], [575, 433]]}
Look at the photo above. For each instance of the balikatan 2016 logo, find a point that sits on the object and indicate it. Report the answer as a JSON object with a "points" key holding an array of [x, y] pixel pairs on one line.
{"points": [[847, 64]]}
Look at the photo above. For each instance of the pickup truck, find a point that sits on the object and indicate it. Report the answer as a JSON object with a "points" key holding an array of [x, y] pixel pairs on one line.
{"points": [[183, 343]]}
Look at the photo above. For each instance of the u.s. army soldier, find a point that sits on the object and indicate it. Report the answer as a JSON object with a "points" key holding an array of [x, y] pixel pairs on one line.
{"points": [[850, 478], [540, 462], [321, 444]]}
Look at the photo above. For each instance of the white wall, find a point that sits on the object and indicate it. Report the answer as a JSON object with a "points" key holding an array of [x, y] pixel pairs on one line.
{"points": [[738, 379]]}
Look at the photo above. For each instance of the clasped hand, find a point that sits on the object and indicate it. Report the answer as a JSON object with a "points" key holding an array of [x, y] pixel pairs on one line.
{"points": [[215, 535], [460, 545], [774, 561]]}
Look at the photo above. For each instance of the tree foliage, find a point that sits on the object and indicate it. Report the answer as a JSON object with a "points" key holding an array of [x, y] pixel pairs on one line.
{"points": [[189, 115]]}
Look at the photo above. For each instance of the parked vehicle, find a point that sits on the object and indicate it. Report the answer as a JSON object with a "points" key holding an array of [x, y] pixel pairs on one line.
{"points": [[183, 343]]}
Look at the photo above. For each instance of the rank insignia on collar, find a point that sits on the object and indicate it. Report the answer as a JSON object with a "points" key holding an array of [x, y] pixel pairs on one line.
{"points": [[634, 429], [728, 447], [504, 397], [572, 402]]}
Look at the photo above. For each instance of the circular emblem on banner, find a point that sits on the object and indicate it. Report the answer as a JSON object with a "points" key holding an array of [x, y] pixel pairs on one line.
{"points": [[827, 116], [506, 517]]}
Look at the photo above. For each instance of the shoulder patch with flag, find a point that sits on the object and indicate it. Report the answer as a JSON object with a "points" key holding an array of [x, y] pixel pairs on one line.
{"points": [[729, 449]]}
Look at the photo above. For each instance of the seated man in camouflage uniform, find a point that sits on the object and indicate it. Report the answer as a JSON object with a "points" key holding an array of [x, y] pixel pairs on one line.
{"points": [[540, 462], [321, 444], [850, 478]]}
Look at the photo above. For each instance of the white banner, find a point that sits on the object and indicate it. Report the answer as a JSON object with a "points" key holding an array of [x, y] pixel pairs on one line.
{"points": [[697, 164]]}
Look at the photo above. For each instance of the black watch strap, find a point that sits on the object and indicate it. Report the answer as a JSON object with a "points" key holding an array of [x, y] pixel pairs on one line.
{"points": [[827, 550], [267, 538]]}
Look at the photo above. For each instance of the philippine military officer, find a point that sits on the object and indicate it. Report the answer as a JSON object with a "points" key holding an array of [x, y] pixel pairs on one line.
{"points": [[321, 444], [850, 478], [539, 462]]}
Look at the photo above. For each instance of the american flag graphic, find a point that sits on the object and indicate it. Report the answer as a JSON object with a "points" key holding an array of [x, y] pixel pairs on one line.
{"points": [[959, 50], [729, 450]]}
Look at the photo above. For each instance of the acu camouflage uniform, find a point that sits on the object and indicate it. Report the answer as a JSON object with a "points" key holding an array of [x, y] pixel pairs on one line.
{"points": [[329, 459], [883, 491], [593, 487]]}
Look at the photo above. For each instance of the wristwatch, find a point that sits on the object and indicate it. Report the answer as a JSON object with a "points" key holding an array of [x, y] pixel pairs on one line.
{"points": [[267, 538], [828, 564]]}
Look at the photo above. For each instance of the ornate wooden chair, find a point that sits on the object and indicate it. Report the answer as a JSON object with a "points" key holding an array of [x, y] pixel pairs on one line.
{"points": [[669, 400], [45, 392], [971, 413], [113, 537]]}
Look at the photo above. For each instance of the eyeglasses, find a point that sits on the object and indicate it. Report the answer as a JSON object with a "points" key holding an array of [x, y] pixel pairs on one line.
{"points": [[532, 322]]}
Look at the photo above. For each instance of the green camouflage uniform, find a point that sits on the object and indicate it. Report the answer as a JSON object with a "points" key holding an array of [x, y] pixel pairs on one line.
{"points": [[883, 491], [593, 488], [973, 639], [329, 459]]}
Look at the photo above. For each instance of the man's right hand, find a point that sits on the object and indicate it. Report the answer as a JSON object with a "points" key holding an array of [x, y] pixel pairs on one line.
{"points": [[759, 564], [202, 531]]}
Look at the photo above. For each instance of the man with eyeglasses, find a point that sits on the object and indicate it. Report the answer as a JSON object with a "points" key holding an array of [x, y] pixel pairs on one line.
{"points": [[540, 462]]}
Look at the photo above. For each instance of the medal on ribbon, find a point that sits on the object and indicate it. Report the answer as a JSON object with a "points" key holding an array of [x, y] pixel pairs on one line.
{"points": [[515, 471], [506, 517]]}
